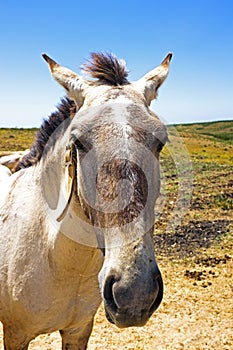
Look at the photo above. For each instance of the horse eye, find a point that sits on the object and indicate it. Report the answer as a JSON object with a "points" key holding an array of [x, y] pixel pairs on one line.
{"points": [[79, 146], [84, 145], [160, 147]]}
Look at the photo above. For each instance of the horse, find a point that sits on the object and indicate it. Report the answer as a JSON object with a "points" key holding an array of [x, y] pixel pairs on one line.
{"points": [[76, 223], [5, 174], [10, 160]]}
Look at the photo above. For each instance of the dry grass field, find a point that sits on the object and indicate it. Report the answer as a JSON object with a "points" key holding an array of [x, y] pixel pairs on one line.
{"points": [[195, 256]]}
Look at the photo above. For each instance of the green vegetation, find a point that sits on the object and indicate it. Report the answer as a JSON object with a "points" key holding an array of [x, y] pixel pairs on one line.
{"points": [[16, 139], [219, 131], [209, 148]]}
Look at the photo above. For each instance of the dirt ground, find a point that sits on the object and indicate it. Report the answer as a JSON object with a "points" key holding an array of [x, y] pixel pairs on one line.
{"points": [[196, 312]]}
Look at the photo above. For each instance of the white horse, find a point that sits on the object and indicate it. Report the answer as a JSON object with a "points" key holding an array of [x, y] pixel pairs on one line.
{"points": [[5, 174], [76, 225], [11, 159]]}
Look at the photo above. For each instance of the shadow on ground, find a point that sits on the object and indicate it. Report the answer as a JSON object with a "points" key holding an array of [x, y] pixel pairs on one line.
{"points": [[186, 241]]}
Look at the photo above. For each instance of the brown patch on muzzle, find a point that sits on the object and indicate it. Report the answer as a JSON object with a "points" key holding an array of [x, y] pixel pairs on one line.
{"points": [[108, 181]]}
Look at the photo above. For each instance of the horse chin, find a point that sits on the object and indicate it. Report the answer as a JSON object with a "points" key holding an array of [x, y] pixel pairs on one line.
{"points": [[124, 321]]}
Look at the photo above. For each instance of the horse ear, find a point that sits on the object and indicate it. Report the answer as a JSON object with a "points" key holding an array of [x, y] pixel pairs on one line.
{"points": [[74, 84], [150, 83]]}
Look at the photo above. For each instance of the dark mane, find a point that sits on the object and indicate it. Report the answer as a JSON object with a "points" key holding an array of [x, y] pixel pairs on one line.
{"points": [[65, 111], [106, 68]]}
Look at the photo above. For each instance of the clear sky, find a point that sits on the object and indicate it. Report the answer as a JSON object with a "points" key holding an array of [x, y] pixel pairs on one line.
{"points": [[199, 33]]}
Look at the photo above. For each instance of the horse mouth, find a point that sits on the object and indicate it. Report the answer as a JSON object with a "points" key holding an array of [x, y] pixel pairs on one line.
{"points": [[124, 320]]}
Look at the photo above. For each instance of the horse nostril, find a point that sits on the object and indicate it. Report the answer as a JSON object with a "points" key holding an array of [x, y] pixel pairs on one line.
{"points": [[108, 293]]}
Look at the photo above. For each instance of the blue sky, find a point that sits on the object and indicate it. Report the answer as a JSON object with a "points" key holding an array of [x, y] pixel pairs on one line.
{"points": [[199, 33]]}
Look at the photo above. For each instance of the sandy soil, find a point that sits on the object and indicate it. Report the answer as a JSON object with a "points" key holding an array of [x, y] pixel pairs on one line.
{"points": [[196, 313]]}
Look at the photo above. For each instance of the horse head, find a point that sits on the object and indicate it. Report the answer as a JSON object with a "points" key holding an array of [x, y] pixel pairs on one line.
{"points": [[113, 156]]}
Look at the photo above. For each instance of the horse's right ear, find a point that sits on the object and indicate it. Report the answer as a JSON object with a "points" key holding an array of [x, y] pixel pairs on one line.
{"points": [[72, 82], [149, 84]]}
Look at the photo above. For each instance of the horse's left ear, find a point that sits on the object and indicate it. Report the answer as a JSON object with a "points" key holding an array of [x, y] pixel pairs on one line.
{"points": [[72, 82], [150, 83]]}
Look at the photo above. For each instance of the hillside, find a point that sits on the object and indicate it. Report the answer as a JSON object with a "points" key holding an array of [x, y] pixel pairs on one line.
{"points": [[216, 131]]}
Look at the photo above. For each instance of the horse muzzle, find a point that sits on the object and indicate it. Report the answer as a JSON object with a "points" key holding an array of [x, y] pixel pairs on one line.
{"points": [[127, 307]]}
